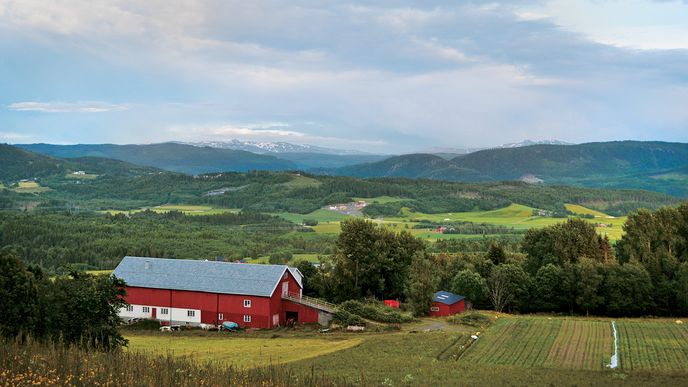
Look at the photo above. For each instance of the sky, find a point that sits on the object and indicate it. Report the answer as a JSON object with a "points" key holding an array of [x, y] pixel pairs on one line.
{"points": [[378, 76]]}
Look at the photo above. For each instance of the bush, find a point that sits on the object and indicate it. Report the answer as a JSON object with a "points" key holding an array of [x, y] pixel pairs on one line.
{"points": [[343, 317], [310, 222], [280, 258], [375, 312], [144, 325], [473, 319]]}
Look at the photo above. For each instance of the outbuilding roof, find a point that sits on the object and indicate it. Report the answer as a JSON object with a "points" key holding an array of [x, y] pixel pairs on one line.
{"points": [[202, 276], [447, 297]]}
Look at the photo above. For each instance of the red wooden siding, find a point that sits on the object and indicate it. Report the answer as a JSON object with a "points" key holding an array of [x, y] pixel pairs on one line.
{"points": [[447, 310]]}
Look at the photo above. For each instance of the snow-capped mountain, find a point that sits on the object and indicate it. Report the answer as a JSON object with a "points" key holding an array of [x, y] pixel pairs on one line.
{"points": [[530, 142], [441, 151], [274, 147]]}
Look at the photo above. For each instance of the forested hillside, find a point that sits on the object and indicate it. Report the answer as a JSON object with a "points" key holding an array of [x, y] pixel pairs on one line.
{"points": [[655, 166], [170, 156]]}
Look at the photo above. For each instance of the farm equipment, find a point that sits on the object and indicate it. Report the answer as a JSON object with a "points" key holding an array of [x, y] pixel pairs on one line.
{"points": [[229, 326]]}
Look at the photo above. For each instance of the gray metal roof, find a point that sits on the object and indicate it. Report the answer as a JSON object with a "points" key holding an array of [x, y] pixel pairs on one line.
{"points": [[202, 276], [447, 297]]}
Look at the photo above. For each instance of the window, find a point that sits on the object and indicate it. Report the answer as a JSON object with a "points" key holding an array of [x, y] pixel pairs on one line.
{"points": [[146, 309], [190, 313], [220, 316], [434, 309], [247, 303], [285, 275], [130, 308], [247, 318], [164, 311]]}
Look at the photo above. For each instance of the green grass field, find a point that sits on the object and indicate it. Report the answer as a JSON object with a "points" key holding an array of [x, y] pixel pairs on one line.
{"points": [[188, 209], [653, 345], [88, 176], [29, 187], [516, 350], [245, 352], [300, 181]]}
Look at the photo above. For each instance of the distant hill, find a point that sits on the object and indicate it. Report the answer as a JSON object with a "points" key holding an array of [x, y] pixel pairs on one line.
{"points": [[170, 156], [20, 164], [275, 147], [413, 166], [656, 166]]}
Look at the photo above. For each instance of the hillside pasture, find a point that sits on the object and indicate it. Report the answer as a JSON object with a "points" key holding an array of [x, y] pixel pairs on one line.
{"points": [[187, 209], [87, 176], [29, 187]]}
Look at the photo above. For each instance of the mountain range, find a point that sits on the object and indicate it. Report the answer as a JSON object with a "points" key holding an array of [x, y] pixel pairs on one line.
{"points": [[658, 166]]}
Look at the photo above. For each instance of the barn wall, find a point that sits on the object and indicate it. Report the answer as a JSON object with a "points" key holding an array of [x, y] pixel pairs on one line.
{"points": [[306, 313]]}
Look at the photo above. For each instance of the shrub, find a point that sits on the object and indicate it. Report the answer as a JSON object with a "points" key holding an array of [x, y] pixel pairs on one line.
{"points": [[144, 325], [473, 319], [375, 312], [344, 317], [310, 222]]}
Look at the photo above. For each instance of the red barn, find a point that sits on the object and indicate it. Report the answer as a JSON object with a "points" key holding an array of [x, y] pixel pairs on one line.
{"points": [[191, 292], [447, 304]]}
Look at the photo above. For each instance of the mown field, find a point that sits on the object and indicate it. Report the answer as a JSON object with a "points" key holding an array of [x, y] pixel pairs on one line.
{"points": [[29, 187], [516, 216], [516, 350], [188, 209]]}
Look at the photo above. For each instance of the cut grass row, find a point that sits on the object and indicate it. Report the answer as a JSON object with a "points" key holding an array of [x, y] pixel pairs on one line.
{"points": [[653, 345]]}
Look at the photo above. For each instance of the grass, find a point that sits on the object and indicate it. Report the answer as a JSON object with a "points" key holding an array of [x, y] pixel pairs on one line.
{"points": [[300, 181], [380, 199], [88, 176], [99, 272], [320, 215], [29, 187], [296, 257], [514, 350], [661, 345], [187, 209], [243, 352]]}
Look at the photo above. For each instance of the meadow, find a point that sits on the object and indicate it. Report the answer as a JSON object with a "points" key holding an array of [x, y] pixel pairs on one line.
{"points": [[29, 187], [187, 209], [516, 216], [517, 350]]}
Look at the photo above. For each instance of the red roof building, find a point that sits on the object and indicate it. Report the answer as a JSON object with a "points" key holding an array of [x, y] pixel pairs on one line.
{"points": [[192, 292], [446, 304]]}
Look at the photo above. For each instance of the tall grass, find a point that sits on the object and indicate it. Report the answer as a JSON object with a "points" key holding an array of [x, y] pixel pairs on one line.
{"points": [[33, 363]]}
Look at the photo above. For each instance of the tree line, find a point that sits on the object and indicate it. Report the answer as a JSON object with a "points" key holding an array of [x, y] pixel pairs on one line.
{"points": [[563, 268]]}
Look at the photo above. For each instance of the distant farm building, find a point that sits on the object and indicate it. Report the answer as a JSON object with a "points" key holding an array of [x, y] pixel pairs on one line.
{"points": [[194, 292], [447, 304], [392, 303]]}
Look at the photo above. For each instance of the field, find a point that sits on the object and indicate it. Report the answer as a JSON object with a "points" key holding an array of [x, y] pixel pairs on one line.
{"points": [[29, 187], [653, 345], [87, 176], [300, 181], [188, 209], [295, 258], [241, 351], [516, 216], [517, 350]]}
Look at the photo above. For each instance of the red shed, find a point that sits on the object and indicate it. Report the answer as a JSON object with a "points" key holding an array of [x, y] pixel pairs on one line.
{"points": [[392, 303], [192, 292], [446, 304]]}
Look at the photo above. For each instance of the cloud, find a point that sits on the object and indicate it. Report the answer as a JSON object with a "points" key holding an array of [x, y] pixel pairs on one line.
{"points": [[66, 107], [265, 131]]}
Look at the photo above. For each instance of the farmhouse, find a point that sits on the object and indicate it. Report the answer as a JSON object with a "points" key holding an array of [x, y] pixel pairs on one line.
{"points": [[192, 292], [447, 304]]}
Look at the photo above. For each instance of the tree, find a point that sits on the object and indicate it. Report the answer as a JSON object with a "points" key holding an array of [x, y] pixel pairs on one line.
{"points": [[682, 288], [372, 261], [422, 284], [589, 282], [552, 288], [18, 297], [627, 289], [496, 254], [470, 285], [508, 287], [310, 278]]}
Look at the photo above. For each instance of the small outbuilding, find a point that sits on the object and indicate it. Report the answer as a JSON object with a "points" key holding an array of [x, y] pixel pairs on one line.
{"points": [[392, 303], [446, 304]]}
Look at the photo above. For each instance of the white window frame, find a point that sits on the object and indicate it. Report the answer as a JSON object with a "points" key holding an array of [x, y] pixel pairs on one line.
{"points": [[145, 309], [247, 318], [220, 316], [130, 308], [247, 303], [164, 311], [190, 313], [434, 308]]}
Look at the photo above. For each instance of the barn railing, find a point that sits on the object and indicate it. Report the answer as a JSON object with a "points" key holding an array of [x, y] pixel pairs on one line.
{"points": [[310, 301]]}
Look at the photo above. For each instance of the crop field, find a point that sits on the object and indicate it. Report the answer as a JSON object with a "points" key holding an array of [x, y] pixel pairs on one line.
{"points": [[541, 342], [29, 187], [240, 351], [653, 345]]}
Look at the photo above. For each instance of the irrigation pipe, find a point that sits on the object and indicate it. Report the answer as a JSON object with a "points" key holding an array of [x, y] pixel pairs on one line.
{"points": [[615, 357]]}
